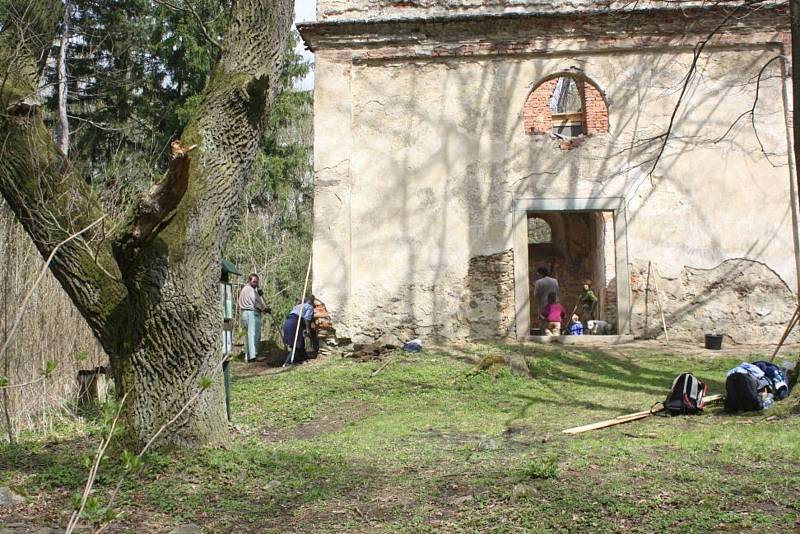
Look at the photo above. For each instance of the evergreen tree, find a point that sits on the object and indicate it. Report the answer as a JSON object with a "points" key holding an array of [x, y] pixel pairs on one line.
{"points": [[275, 230]]}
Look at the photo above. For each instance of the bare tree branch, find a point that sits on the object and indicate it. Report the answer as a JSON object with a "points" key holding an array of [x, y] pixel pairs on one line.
{"points": [[698, 49], [752, 112], [73, 520]]}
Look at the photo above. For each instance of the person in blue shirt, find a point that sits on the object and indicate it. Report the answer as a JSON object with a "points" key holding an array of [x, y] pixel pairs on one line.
{"points": [[576, 328], [303, 313], [310, 325], [291, 332]]}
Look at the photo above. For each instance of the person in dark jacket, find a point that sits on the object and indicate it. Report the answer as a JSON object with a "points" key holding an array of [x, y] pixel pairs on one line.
{"points": [[588, 302], [294, 329]]}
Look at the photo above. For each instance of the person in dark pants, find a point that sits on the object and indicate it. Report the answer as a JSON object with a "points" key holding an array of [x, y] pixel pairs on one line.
{"points": [[290, 330], [310, 325]]}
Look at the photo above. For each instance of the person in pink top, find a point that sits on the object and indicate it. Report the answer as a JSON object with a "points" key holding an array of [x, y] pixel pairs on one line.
{"points": [[553, 314]]}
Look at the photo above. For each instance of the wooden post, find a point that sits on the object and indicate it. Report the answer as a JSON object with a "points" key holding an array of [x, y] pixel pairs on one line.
{"points": [[647, 299], [91, 388], [626, 418], [302, 299], [789, 327], [660, 308]]}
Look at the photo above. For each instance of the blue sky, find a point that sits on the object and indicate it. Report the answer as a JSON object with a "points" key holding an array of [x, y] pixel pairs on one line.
{"points": [[305, 10]]}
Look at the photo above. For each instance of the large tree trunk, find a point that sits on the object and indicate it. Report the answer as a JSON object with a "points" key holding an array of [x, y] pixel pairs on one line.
{"points": [[149, 290]]}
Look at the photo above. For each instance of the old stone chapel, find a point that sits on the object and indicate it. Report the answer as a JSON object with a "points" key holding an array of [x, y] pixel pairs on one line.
{"points": [[460, 145]]}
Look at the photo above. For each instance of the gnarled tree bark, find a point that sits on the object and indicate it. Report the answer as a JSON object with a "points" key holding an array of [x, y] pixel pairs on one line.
{"points": [[149, 290]]}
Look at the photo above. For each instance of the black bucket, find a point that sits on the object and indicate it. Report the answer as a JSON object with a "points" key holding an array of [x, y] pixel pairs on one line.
{"points": [[714, 341]]}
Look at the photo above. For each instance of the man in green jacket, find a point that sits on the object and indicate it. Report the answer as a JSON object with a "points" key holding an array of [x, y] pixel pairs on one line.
{"points": [[588, 302]]}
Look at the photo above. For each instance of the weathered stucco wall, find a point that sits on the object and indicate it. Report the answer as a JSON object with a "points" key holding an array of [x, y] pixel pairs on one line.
{"points": [[377, 9], [419, 161]]}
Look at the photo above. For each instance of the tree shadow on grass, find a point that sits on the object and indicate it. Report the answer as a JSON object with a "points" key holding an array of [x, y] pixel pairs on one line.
{"points": [[248, 482], [608, 370]]}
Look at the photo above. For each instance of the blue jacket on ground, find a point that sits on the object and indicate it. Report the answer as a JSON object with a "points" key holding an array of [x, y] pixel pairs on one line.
{"points": [[775, 375]]}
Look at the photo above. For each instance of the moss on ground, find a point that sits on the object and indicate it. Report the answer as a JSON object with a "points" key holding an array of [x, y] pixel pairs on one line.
{"points": [[434, 443]]}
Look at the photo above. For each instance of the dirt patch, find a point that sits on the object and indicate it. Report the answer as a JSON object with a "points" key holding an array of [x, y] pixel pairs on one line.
{"points": [[324, 423], [372, 351], [266, 367], [378, 508]]}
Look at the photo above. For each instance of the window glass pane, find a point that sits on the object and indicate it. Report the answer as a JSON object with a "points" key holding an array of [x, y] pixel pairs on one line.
{"points": [[566, 98]]}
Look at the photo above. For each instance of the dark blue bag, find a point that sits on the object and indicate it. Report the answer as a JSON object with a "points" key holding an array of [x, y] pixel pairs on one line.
{"points": [[780, 388]]}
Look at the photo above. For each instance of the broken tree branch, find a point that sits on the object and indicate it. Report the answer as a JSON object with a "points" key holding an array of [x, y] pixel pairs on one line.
{"points": [[159, 202], [384, 366]]}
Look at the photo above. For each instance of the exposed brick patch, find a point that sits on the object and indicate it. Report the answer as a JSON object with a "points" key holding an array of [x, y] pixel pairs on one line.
{"points": [[595, 110], [538, 118], [537, 114], [489, 296], [534, 34]]}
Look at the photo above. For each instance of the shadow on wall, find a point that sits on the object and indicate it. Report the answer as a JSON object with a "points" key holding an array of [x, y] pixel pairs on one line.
{"points": [[441, 147]]}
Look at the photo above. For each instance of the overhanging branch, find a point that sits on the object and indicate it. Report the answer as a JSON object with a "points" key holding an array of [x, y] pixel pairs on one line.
{"points": [[698, 49]]}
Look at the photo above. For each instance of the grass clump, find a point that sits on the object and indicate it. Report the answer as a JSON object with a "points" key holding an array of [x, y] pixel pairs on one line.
{"points": [[544, 468]]}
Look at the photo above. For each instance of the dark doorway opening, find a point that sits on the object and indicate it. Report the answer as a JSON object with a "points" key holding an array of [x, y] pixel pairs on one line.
{"points": [[574, 246]]}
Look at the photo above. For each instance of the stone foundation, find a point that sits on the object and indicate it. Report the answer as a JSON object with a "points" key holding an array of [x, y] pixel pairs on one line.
{"points": [[489, 307]]}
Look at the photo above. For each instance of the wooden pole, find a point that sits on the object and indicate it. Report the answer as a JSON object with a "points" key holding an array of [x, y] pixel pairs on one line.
{"points": [[625, 418], [384, 366], [647, 299], [660, 308], [789, 327], [302, 299]]}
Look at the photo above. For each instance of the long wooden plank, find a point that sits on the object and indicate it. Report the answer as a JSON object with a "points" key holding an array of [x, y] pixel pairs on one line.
{"points": [[625, 418], [604, 424]]}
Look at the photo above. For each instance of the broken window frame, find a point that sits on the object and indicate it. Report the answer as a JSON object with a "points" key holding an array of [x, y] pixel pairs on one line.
{"points": [[566, 107]]}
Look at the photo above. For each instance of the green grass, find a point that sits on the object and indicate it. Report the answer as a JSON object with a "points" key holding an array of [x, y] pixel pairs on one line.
{"points": [[435, 443]]}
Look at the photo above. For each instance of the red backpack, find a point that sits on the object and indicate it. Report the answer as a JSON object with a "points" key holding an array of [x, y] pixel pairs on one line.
{"points": [[687, 395]]}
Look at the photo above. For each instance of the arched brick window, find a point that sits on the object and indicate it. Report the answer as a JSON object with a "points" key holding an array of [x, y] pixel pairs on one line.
{"points": [[567, 105]]}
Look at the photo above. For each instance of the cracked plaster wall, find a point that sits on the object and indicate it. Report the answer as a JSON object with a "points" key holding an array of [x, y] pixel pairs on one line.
{"points": [[742, 299], [418, 163]]}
